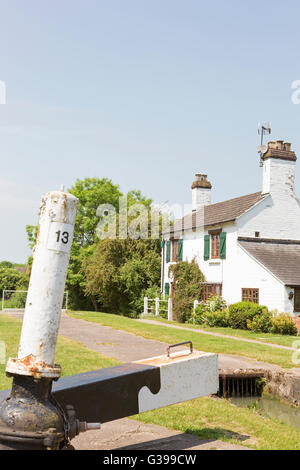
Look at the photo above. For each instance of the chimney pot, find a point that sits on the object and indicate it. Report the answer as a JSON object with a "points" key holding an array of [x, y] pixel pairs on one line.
{"points": [[272, 144], [279, 144]]}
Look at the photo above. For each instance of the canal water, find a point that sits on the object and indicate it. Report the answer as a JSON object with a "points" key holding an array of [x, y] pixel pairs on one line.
{"points": [[271, 408]]}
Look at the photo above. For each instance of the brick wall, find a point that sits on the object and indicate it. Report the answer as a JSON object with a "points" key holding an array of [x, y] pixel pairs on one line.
{"points": [[296, 320]]}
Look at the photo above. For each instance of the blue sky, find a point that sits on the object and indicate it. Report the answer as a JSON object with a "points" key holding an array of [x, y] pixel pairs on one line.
{"points": [[146, 93]]}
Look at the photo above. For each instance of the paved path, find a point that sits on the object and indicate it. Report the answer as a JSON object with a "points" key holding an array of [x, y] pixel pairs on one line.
{"points": [[221, 335], [125, 347]]}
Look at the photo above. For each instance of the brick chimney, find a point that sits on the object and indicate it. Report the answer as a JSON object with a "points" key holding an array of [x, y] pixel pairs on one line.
{"points": [[279, 165], [201, 192]]}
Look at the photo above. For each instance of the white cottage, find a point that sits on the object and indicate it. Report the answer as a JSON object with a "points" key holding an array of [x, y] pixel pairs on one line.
{"points": [[248, 247]]}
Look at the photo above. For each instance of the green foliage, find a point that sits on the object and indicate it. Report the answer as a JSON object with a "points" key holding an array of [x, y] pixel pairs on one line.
{"points": [[11, 279], [6, 264], [218, 318], [119, 272], [261, 322], [283, 324], [211, 313], [241, 312], [31, 231], [17, 300], [121, 276], [187, 278], [111, 273], [254, 317], [215, 303]]}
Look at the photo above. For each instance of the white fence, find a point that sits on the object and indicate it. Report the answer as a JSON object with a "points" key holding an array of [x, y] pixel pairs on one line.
{"points": [[154, 306]]}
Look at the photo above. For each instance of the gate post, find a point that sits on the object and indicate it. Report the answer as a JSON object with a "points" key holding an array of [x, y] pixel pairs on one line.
{"points": [[170, 309], [30, 418], [145, 305], [156, 306]]}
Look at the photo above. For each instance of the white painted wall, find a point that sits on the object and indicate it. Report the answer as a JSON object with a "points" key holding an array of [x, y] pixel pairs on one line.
{"points": [[239, 270]]}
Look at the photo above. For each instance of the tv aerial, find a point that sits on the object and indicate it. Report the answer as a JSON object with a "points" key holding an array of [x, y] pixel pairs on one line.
{"points": [[264, 128]]}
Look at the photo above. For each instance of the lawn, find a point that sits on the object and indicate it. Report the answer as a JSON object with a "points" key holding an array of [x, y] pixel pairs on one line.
{"points": [[214, 418], [73, 357], [282, 340], [208, 418], [201, 341]]}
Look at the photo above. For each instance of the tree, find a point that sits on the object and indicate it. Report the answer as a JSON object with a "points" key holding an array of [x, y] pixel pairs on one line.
{"points": [[91, 193], [186, 278], [6, 264], [11, 279], [120, 271], [91, 279]]}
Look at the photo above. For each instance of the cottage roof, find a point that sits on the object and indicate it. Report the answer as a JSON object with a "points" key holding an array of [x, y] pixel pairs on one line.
{"points": [[281, 257], [221, 212]]}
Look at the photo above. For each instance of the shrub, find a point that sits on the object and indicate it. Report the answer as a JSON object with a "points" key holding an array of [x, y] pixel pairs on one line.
{"points": [[215, 318], [215, 303], [17, 300], [283, 324], [241, 312], [262, 322], [187, 278]]}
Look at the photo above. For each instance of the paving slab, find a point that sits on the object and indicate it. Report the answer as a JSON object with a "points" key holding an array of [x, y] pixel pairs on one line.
{"points": [[129, 434]]}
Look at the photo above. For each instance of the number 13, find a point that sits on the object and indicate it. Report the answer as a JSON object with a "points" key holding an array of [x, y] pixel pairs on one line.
{"points": [[64, 237]]}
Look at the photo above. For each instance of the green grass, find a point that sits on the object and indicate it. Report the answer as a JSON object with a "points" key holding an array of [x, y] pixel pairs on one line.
{"points": [[71, 355], [282, 340], [212, 418], [201, 341]]}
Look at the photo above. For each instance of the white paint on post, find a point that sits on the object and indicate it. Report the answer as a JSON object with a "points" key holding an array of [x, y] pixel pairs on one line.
{"points": [[170, 309], [46, 287], [145, 305], [183, 377], [157, 306]]}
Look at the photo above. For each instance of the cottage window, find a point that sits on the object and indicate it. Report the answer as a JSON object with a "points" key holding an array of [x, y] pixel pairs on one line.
{"points": [[215, 244], [208, 290], [250, 295], [175, 250]]}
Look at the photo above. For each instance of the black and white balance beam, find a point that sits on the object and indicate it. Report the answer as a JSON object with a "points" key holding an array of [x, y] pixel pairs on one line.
{"points": [[117, 392]]}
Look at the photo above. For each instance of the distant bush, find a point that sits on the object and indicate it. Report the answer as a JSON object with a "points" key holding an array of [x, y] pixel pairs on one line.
{"points": [[260, 323], [17, 300], [242, 312], [283, 324], [6, 264], [212, 312], [219, 318], [242, 315]]}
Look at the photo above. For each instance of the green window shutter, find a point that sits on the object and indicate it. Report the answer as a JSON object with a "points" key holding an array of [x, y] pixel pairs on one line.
{"points": [[206, 247], [223, 245], [180, 250], [168, 251], [167, 288]]}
